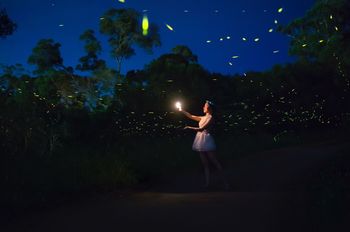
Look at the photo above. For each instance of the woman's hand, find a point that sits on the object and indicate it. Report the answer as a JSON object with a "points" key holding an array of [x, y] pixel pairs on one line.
{"points": [[193, 128]]}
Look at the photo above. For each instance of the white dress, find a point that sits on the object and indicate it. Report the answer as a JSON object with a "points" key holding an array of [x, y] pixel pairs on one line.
{"points": [[204, 140]]}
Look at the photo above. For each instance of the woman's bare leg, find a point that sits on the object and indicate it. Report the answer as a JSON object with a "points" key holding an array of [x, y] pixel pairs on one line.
{"points": [[205, 163], [212, 157]]}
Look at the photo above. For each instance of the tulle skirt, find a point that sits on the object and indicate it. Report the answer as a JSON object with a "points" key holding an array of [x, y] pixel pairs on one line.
{"points": [[203, 142]]}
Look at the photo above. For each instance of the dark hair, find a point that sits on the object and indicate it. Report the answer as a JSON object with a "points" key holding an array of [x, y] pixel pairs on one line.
{"points": [[212, 107]]}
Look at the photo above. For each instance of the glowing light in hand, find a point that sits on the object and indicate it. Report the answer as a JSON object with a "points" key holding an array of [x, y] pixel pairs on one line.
{"points": [[178, 106]]}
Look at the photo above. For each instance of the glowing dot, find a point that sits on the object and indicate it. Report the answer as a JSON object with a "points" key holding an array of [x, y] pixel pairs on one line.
{"points": [[230, 63], [102, 18], [336, 28], [208, 41], [228, 37], [61, 25], [121, 1], [276, 22], [331, 17], [280, 10], [270, 30], [304, 45], [169, 27], [221, 39], [145, 25], [321, 41], [178, 105], [256, 39], [276, 51], [235, 57], [244, 39]]}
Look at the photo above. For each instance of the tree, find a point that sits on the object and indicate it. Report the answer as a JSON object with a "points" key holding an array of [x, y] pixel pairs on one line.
{"points": [[47, 57], [7, 26], [124, 30], [323, 34], [93, 48], [185, 52], [322, 38]]}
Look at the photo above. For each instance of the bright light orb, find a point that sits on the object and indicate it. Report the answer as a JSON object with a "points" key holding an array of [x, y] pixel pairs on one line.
{"points": [[178, 106]]}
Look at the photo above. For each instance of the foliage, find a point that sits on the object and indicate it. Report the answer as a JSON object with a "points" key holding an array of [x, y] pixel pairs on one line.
{"points": [[7, 26], [47, 58], [123, 28], [93, 49]]}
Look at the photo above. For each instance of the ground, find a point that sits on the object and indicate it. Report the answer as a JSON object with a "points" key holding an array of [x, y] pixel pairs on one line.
{"points": [[304, 188]]}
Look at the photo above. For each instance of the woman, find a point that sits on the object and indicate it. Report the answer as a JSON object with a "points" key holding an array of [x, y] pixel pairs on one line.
{"points": [[204, 142]]}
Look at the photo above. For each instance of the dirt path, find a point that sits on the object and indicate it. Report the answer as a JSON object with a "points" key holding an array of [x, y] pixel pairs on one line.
{"points": [[277, 190]]}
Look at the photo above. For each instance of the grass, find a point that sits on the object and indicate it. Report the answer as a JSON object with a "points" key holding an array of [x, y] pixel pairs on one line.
{"points": [[34, 181]]}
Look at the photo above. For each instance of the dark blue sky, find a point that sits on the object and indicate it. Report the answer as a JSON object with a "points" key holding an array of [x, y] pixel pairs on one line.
{"points": [[205, 20]]}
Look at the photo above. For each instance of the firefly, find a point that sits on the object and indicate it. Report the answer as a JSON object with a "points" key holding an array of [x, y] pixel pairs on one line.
{"points": [[280, 10], [145, 25], [169, 27]]}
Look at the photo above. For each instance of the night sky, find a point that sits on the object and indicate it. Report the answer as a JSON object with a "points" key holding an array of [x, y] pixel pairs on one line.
{"points": [[194, 23]]}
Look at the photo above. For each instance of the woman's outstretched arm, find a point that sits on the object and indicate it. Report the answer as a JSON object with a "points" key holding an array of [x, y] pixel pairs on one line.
{"points": [[190, 116], [203, 127]]}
